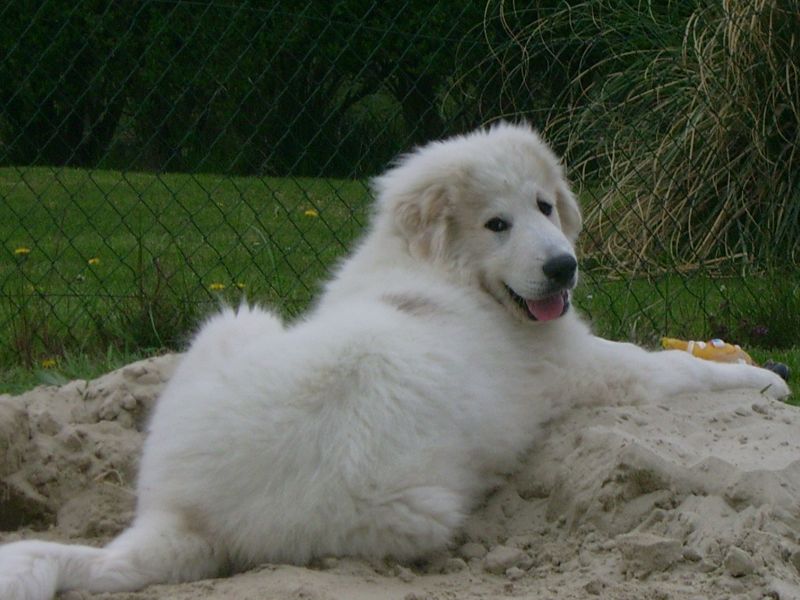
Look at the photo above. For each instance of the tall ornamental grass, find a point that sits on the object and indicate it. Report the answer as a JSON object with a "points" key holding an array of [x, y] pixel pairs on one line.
{"points": [[680, 119]]}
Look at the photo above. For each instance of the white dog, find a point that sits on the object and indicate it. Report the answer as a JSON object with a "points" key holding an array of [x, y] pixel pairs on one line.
{"points": [[372, 426]]}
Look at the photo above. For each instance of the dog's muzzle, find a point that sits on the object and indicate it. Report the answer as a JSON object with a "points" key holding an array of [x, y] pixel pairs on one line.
{"points": [[561, 273], [543, 309]]}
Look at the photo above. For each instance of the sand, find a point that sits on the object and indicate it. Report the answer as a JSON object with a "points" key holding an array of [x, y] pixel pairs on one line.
{"points": [[695, 497]]}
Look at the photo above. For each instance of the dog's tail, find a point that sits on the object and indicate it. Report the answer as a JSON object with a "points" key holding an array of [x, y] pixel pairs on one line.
{"points": [[155, 549]]}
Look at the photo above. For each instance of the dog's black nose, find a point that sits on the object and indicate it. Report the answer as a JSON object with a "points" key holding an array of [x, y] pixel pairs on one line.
{"points": [[560, 269]]}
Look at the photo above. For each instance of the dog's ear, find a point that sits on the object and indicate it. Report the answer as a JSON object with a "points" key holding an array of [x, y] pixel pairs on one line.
{"points": [[423, 217], [568, 211]]}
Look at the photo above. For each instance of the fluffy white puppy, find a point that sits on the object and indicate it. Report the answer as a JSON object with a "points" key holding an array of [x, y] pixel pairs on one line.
{"points": [[372, 426]]}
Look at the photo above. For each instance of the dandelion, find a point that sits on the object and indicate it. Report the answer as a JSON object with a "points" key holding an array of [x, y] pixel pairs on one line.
{"points": [[216, 287], [94, 261], [240, 285], [48, 363], [22, 251], [311, 212]]}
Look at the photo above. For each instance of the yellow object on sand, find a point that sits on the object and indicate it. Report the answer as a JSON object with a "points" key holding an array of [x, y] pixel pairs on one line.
{"points": [[715, 349]]}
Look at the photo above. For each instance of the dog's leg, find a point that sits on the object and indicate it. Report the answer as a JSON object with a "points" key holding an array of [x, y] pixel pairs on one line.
{"points": [[156, 549], [407, 523], [671, 372]]}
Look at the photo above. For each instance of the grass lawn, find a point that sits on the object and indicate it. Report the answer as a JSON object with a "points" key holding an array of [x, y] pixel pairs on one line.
{"points": [[95, 259], [99, 268], [218, 229]]}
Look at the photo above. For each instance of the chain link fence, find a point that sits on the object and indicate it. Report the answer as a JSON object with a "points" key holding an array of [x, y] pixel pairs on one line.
{"points": [[158, 156]]}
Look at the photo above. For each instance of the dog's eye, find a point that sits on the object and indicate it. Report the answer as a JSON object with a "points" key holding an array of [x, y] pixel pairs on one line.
{"points": [[497, 224], [545, 207]]}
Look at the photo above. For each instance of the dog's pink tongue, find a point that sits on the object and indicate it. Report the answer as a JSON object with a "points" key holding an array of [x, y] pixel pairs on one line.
{"points": [[548, 308]]}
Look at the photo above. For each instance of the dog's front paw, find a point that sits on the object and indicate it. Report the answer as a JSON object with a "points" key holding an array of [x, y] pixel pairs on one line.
{"points": [[773, 385]]}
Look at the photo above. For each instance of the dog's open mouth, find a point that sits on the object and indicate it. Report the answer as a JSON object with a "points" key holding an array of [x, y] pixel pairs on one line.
{"points": [[543, 309]]}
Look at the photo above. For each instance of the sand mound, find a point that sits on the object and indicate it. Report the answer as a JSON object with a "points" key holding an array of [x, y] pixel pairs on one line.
{"points": [[697, 497]]}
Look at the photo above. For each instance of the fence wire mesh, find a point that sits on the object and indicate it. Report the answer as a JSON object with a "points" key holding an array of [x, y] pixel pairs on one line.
{"points": [[157, 156]]}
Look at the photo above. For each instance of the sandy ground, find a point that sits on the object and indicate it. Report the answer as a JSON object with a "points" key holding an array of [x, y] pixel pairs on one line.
{"points": [[692, 498]]}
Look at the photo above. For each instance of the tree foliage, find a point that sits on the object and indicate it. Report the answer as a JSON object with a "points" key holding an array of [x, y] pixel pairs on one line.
{"points": [[249, 87]]}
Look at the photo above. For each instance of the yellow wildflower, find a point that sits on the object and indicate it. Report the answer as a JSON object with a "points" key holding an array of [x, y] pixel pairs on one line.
{"points": [[48, 363], [22, 251], [94, 261], [216, 287], [311, 212], [240, 285]]}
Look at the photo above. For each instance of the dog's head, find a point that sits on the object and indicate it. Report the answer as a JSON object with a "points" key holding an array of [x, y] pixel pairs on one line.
{"points": [[492, 207]]}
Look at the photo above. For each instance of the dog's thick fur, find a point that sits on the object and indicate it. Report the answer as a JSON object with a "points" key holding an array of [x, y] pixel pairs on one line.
{"points": [[372, 426]]}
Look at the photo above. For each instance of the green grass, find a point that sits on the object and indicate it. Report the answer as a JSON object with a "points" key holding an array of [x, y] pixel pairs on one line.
{"points": [[166, 249], [223, 229], [17, 379], [163, 241], [757, 311]]}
